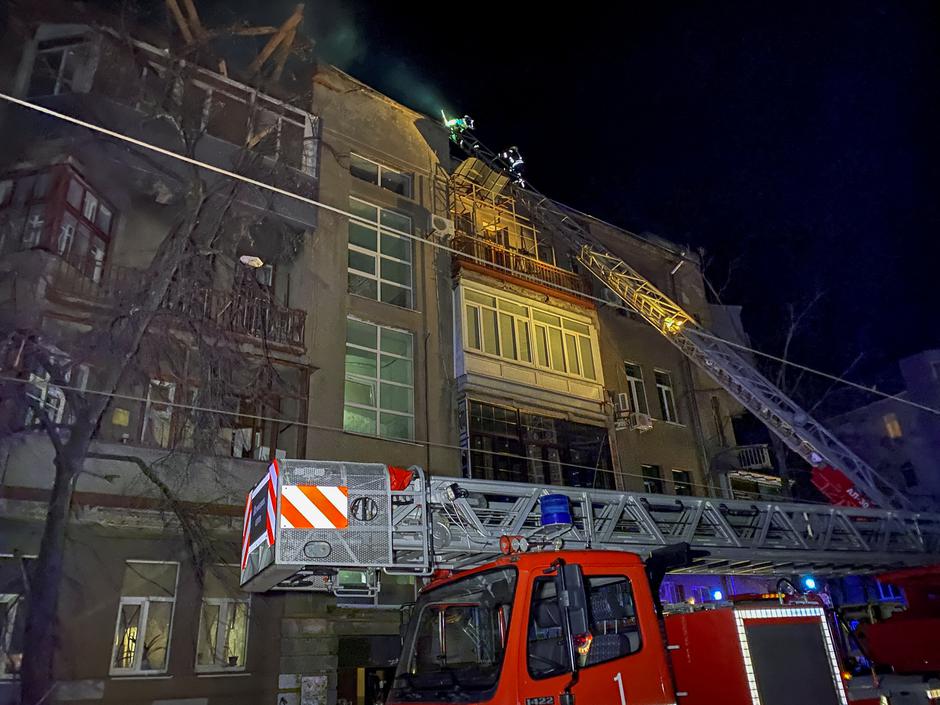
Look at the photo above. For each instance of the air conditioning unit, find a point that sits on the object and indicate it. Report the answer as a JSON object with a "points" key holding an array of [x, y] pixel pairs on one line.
{"points": [[641, 422], [442, 227]]}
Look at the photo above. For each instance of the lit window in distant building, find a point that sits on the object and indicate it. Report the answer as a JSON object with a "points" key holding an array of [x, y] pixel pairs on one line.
{"points": [[682, 482], [498, 325], [380, 175], [652, 479], [145, 616], [892, 426], [223, 622], [667, 397], [379, 256], [379, 388], [636, 390]]}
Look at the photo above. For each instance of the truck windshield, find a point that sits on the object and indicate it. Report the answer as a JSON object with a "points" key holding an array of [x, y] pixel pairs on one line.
{"points": [[454, 646]]}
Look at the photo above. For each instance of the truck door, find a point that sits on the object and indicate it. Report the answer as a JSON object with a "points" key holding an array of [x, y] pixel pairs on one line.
{"points": [[621, 663]]}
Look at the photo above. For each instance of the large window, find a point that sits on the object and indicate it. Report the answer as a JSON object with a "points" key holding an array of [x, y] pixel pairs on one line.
{"points": [[635, 388], [380, 175], [499, 326], [58, 63], [379, 389], [223, 622], [145, 615], [380, 254], [517, 446], [613, 624], [682, 482], [667, 397], [652, 479]]}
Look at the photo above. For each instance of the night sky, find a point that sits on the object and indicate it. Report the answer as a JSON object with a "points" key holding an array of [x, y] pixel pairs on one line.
{"points": [[796, 142]]}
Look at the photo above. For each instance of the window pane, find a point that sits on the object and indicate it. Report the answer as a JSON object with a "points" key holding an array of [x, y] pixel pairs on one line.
{"points": [[362, 236], [359, 420], [571, 347], [104, 218], [576, 327], [396, 342], [557, 351], [541, 345], [74, 195], [236, 635], [360, 362], [363, 286], [507, 341], [397, 272], [208, 633], [395, 426], [396, 246], [479, 298], [398, 183], [489, 332], [513, 308], [473, 327], [633, 370], [126, 636], [662, 378], [157, 637], [361, 333], [395, 398], [149, 579], [396, 221], [547, 318], [522, 338], [638, 393], [396, 369], [222, 581], [587, 358], [361, 262], [363, 210], [362, 169], [360, 392], [395, 295]]}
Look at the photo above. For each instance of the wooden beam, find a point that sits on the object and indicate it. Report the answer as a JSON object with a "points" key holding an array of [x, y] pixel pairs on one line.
{"points": [[194, 18], [180, 21], [283, 52], [285, 29]]}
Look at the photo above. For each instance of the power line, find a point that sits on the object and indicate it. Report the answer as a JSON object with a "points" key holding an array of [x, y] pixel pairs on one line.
{"points": [[352, 216]]}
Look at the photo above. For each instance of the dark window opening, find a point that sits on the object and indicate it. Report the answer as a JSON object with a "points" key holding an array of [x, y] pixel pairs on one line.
{"points": [[652, 479]]}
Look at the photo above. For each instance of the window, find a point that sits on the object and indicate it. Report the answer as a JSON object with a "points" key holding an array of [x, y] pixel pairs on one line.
{"points": [[652, 479], [667, 397], [12, 623], [682, 483], [380, 175], [379, 389], [58, 63], [158, 414], [892, 426], [47, 396], [909, 474], [498, 326], [888, 591], [635, 388], [223, 622], [145, 616], [380, 255], [612, 619]]}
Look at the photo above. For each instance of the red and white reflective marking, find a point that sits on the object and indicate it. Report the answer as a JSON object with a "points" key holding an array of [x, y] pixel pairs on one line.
{"points": [[314, 507]]}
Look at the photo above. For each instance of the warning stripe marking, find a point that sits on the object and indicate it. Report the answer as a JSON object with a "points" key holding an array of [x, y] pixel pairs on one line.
{"points": [[312, 507]]}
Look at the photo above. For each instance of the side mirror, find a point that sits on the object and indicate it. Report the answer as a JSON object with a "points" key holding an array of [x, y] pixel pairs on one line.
{"points": [[572, 605]]}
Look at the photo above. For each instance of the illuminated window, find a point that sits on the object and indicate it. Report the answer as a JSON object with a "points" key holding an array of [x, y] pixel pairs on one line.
{"points": [[496, 325], [380, 175], [145, 616], [667, 397], [379, 388], [223, 622], [892, 425], [380, 255], [635, 388]]}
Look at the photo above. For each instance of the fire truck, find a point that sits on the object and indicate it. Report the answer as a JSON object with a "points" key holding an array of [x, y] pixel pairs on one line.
{"points": [[549, 595]]}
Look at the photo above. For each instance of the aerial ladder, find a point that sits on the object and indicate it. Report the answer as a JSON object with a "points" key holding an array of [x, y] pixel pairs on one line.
{"points": [[803, 434]]}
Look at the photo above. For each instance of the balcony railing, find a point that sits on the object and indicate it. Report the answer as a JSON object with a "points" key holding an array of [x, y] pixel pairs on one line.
{"points": [[753, 457], [518, 264], [234, 311]]}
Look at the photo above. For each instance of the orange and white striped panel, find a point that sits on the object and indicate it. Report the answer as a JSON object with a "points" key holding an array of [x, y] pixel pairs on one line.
{"points": [[314, 507]]}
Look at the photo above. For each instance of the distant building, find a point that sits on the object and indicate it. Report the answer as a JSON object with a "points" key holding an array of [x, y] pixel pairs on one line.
{"points": [[901, 441]]}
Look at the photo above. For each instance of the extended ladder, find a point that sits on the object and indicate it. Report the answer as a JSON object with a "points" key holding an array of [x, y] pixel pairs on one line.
{"points": [[448, 522], [784, 417]]}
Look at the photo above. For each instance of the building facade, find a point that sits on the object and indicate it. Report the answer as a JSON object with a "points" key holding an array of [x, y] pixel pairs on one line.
{"points": [[361, 330]]}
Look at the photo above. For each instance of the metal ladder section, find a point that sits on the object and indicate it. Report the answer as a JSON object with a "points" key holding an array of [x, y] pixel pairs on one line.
{"points": [[801, 432], [467, 519]]}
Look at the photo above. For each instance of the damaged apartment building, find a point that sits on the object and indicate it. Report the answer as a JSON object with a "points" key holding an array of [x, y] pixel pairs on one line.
{"points": [[422, 317]]}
